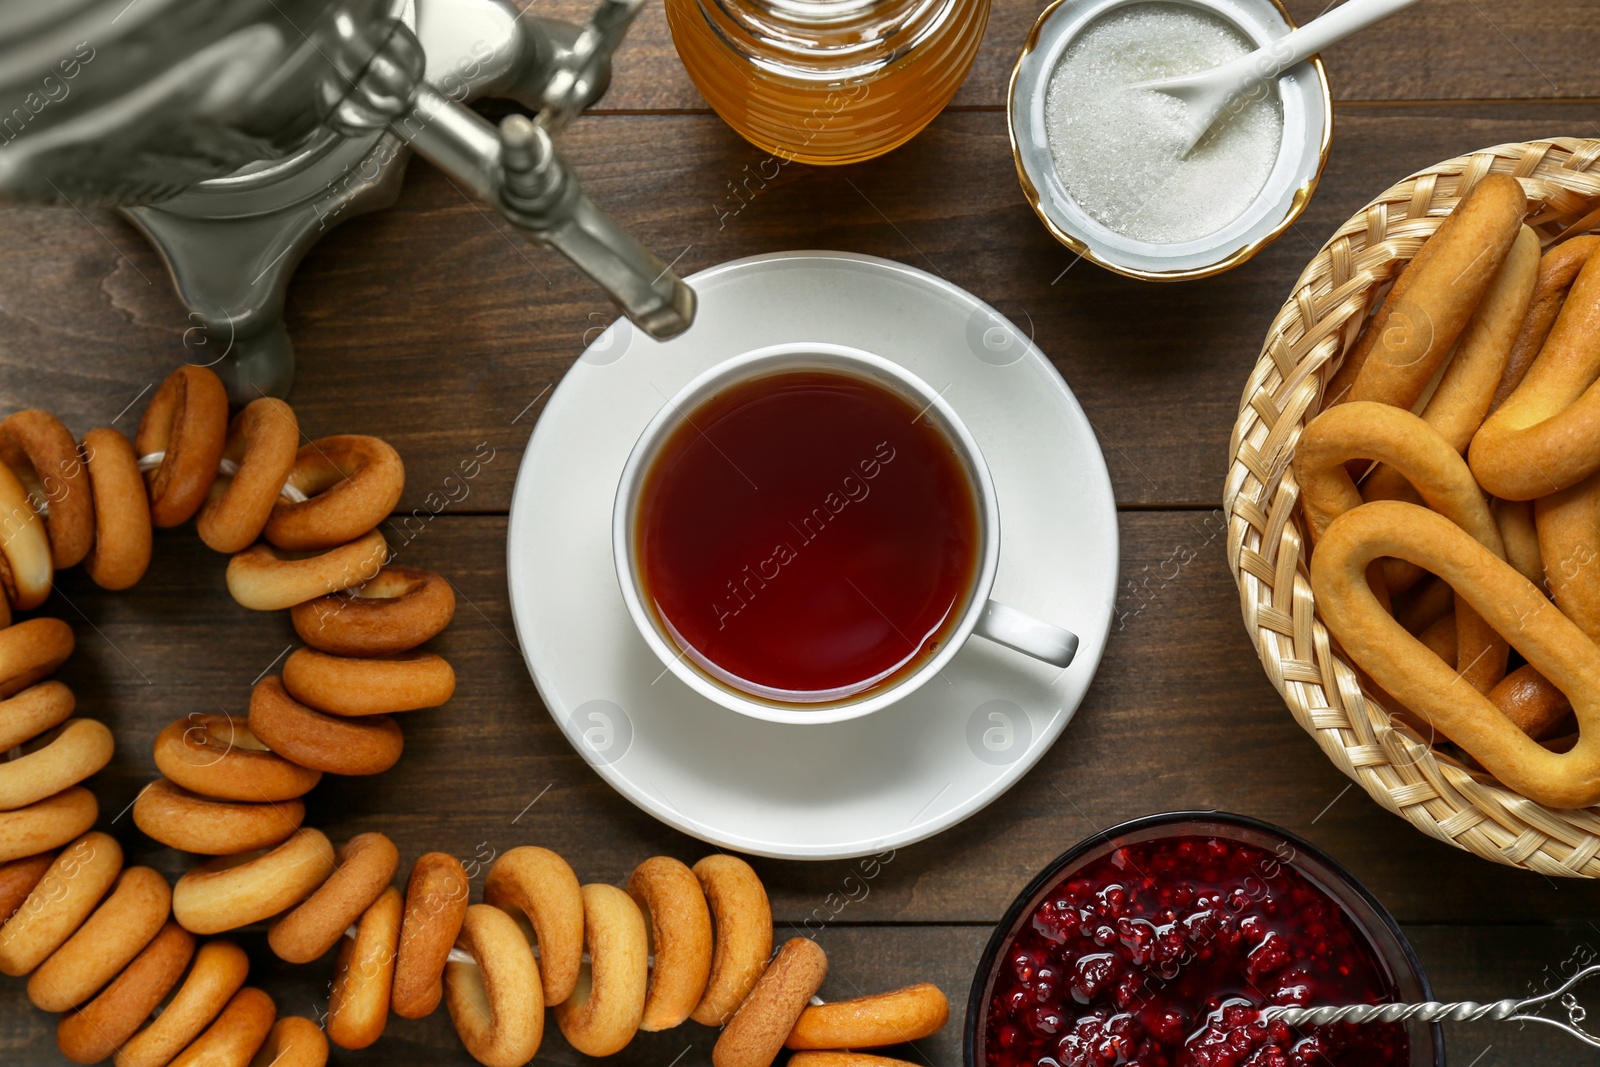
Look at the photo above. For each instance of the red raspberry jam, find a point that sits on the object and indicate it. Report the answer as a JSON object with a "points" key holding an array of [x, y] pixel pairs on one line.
{"points": [[1159, 954]]}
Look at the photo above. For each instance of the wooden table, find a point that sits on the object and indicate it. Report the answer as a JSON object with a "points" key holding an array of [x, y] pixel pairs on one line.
{"points": [[428, 324]]}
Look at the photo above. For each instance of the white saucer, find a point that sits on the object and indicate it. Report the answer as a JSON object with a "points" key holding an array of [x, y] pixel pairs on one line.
{"points": [[843, 789]]}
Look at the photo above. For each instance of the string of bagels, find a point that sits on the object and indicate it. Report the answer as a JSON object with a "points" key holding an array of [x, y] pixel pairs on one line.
{"points": [[117, 952], [1451, 490]]}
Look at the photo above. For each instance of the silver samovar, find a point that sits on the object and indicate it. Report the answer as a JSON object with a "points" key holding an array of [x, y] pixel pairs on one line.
{"points": [[233, 133]]}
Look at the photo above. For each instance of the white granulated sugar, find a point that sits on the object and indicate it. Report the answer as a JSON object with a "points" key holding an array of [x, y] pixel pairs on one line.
{"points": [[1119, 150]]}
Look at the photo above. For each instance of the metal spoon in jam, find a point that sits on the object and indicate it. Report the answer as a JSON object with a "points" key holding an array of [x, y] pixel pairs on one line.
{"points": [[1460, 1011]]}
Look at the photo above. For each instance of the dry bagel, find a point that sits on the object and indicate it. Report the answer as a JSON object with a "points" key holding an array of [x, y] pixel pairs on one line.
{"points": [[603, 1013], [342, 685], [24, 546], [193, 823], [1419, 608], [540, 884], [1564, 525], [17, 879], [218, 973], [908, 1014], [679, 920], [233, 891], [30, 650], [436, 905], [323, 742], [187, 421], [79, 748], [103, 1025], [238, 1032], [60, 902], [262, 440], [1413, 448], [1441, 288], [351, 483], [1557, 269], [358, 1006], [122, 538], [1468, 381], [293, 1041], [366, 863], [218, 756], [1542, 439], [1528, 699], [262, 578], [1506, 600], [50, 823], [44, 456], [844, 1059], [124, 923], [1520, 536], [33, 711], [743, 920], [399, 609], [495, 1003], [755, 1034]]}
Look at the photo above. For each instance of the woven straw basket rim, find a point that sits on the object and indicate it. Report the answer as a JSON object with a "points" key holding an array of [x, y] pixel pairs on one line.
{"points": [[1266, 544]]}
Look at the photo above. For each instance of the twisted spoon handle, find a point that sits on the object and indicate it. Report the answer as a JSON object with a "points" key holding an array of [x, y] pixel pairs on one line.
{"points": [[1460, 1011], [1431, 1011]]}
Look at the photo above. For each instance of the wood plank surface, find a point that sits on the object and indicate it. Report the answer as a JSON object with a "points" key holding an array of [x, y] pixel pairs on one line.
{"points": [[1439, 50], [431, 325]]}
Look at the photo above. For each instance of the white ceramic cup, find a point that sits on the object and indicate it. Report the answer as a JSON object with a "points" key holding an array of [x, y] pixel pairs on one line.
{"points": [[981, 616]]}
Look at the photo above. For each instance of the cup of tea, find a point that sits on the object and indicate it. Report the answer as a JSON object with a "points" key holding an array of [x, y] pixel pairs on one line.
{"points": [[807, 533]]}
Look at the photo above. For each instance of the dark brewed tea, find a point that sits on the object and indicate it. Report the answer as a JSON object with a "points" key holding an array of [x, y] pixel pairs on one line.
{"points": [[807, 536]]}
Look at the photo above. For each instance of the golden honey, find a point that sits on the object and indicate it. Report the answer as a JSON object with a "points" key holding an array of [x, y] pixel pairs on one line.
{"points": [[827, 81]]}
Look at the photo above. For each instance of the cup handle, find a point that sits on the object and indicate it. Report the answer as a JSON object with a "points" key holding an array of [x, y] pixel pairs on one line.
{"points": [[1026, 634]]}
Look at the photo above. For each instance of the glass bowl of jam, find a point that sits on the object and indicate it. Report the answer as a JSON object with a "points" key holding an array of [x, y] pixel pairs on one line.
{"points": [[1158, 942]]}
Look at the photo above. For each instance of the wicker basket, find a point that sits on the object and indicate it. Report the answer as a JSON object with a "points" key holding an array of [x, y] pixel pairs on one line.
{"points": [[1266, 542]]}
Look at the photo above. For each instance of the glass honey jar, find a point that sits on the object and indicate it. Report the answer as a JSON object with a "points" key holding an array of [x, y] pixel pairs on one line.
{"points": [[827, 81]]}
